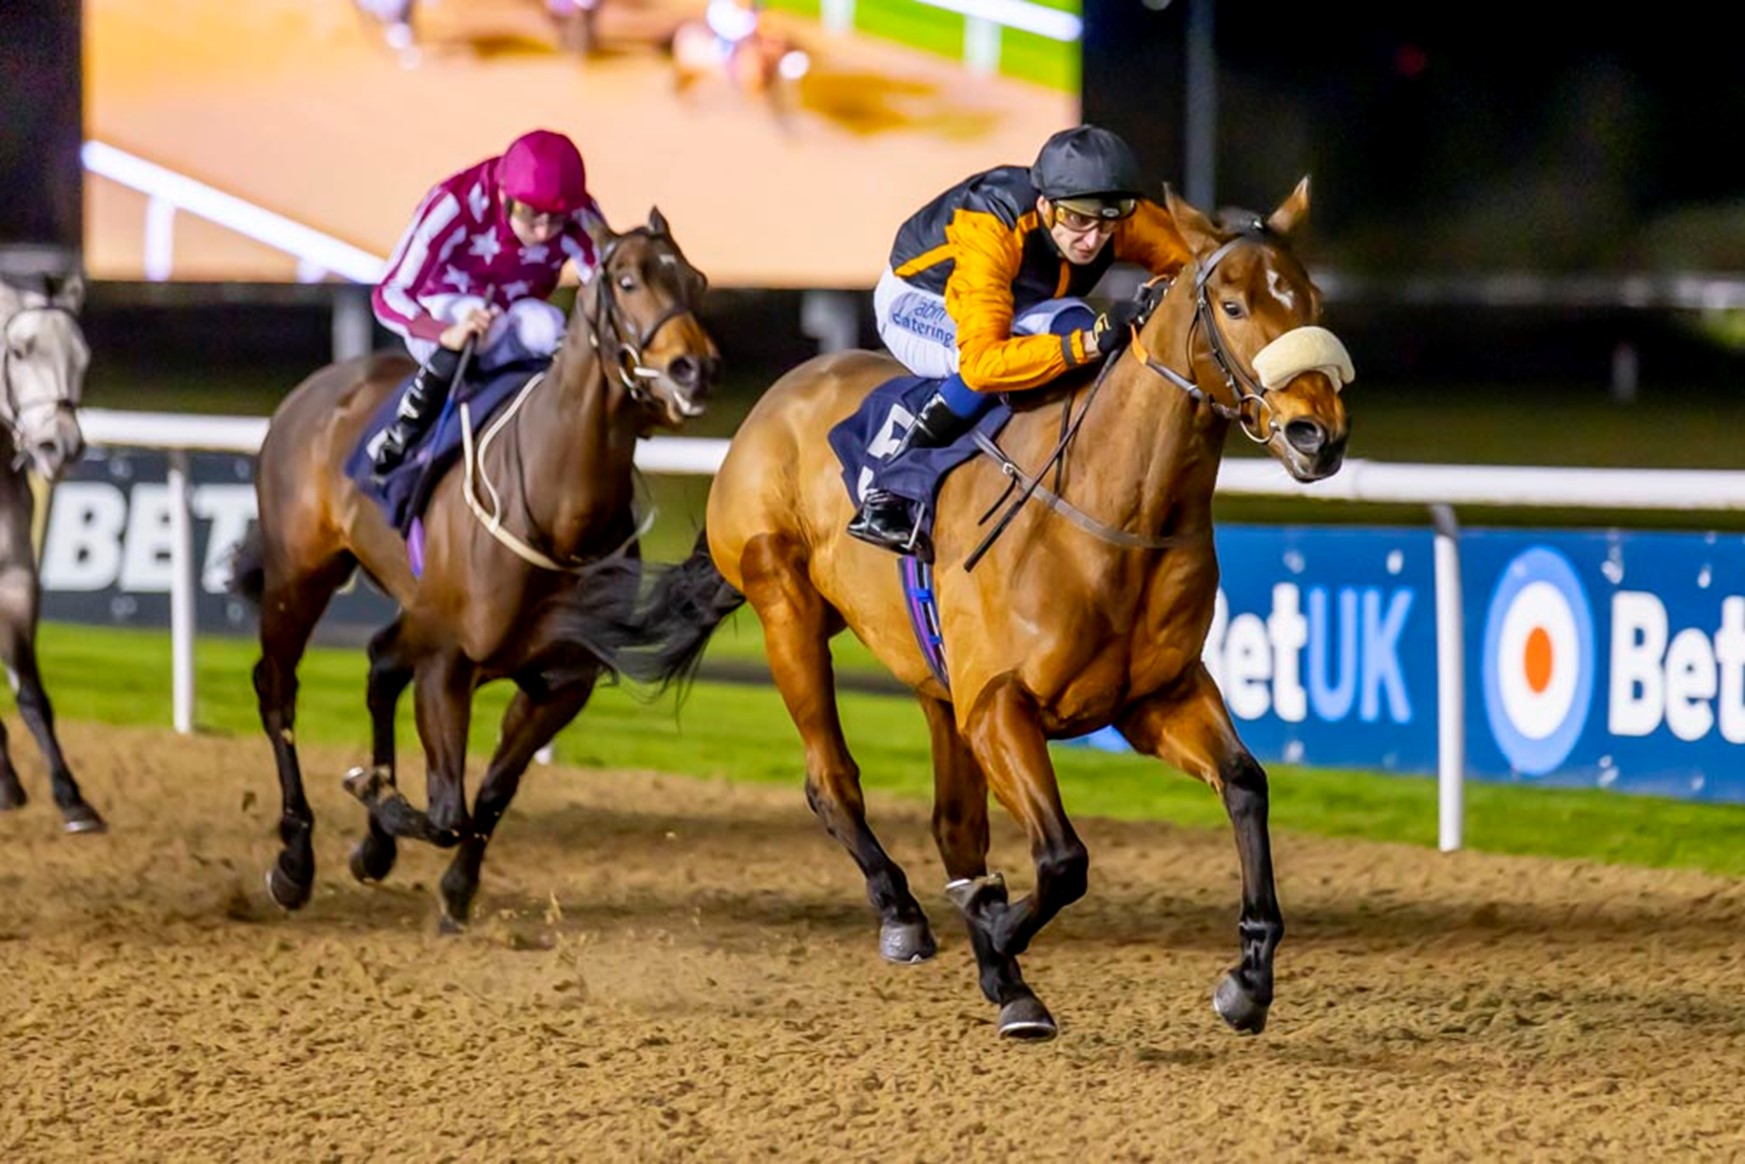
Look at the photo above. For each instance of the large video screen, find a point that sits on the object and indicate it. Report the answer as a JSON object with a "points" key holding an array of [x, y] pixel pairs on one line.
{"points": [[290, 140]]}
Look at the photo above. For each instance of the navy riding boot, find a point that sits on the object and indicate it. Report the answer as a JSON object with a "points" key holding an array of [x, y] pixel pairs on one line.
{"points": [[419, 407]]}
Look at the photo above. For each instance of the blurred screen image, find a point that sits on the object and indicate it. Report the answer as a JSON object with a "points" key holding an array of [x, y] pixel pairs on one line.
{"points": [[291, 140]]}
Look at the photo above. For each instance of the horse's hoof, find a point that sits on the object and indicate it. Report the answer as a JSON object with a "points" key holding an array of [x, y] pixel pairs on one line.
{"points": [[1238, 1006], [12, 795], [82, 818], [286, 893], [906, 943], [1026, 1018], [448, 926], [371, 860]]}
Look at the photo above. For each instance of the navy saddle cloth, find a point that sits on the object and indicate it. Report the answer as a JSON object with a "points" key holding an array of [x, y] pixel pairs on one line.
{"points": [[864, 439], [404, 491]]}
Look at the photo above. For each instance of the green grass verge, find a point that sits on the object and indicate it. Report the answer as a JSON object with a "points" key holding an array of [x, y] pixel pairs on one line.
{"points": [[1023, 55], [743, 733]]}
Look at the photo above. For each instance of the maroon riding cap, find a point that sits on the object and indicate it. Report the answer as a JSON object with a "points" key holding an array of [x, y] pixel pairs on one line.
{"points": [[544, 170]]}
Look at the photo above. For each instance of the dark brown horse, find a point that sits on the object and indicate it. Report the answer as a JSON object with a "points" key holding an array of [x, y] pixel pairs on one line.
{"points": [[1064, 627], [549, 489], [43, 357]]}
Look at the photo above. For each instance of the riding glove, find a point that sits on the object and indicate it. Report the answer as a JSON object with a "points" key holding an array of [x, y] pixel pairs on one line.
{"points": [[1110, 333]]}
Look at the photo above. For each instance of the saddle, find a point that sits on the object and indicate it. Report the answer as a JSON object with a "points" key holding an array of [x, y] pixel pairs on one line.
{"points": [[862, 441], [404, 491]]}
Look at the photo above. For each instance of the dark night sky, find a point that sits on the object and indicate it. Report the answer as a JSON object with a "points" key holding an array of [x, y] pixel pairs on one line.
{"points": [[1450, 135]]}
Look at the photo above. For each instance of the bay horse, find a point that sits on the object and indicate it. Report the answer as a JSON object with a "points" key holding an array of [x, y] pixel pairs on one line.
{"points": [[43, 359], [1066, 627], [559, 463]]}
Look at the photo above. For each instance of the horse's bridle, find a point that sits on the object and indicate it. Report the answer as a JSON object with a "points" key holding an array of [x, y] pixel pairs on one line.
{"points": [[1250, 412], [11, 411], [626, 359]]}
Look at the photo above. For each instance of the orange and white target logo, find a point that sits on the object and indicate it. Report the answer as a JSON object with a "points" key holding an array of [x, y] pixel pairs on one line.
{"points": [[1539, 660]]}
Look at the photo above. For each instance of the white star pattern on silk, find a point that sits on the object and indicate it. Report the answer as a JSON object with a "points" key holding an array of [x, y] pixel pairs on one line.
{"points": [[478, 200], [485, 245], [537, 253], [457, 278], [516, 290]]}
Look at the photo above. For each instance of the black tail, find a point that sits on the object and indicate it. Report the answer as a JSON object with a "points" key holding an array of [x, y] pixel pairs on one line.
{"points": [[248, 568], [651, 622]]}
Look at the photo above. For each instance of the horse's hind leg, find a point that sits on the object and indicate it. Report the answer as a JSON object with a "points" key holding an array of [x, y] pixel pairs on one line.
{"points": [[960, 829], [532, 719], [797, 639], [1192, 731], [291, 604], [372, 859]]}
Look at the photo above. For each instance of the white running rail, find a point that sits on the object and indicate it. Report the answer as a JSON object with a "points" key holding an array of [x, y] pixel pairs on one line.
{"points": [[982, 24], [169, 193]]}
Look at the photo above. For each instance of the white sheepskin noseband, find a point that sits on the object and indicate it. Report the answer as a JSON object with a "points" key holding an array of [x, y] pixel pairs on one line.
{"points": [[1304, 349]]}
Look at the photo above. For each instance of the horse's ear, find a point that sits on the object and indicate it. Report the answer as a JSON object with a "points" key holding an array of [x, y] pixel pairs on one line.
{"points": [[70, 295], [657, 221], [598, 229], [1196, 228], [1292, 210]]}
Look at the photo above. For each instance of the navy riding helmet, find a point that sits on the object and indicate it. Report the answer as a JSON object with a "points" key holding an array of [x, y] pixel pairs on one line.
{"points": [[1086, 161]]}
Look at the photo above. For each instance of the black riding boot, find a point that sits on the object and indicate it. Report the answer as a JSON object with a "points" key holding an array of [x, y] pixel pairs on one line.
{"points": [[884, 519], [418, 408]]}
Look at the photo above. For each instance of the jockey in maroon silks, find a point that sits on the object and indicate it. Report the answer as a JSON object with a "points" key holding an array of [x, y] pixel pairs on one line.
{"points": [[485, 248]]}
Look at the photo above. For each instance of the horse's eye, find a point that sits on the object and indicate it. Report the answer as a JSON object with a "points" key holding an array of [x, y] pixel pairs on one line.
{"points": [[626, 283], [1232, 309]]}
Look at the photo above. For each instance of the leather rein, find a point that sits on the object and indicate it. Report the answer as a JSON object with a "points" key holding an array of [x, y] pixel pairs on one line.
{"points": [[1250, 409], [625, 362]]}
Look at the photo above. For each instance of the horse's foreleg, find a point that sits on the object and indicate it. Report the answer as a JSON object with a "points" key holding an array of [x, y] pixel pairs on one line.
{"points": [[443, 697], [1191, 730], [372, 859], [19, 649], [796, 638], [18, 613], [1003, 733], [290, 607], [528, 725], [960, 829]]}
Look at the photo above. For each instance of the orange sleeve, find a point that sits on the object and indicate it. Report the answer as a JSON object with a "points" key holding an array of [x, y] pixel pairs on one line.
{"points": [[1150, 238], [978, 297]]}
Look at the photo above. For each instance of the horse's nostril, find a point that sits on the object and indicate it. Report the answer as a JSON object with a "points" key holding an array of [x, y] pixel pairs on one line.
{"points": [[684, 371], [1306, 436]]}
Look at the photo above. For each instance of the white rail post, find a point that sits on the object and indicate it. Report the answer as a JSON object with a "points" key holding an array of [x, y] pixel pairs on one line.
{"points": [[1450, 683], [160, 239], [837, 16], [182, 583], [981, 45]]}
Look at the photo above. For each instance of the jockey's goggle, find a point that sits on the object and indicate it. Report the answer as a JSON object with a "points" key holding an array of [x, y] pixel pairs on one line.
{"points": [[537, 219], [1082, 214]]}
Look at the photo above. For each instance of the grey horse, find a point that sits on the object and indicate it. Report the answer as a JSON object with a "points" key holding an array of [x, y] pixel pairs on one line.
{"points": [[43, 357]]}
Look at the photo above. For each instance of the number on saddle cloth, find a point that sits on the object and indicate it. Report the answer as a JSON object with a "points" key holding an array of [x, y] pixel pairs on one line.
{"points": [[864, 441]]}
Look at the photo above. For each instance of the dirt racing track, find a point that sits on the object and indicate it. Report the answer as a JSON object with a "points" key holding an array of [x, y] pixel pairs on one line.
{"points": [[669, 968]]}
